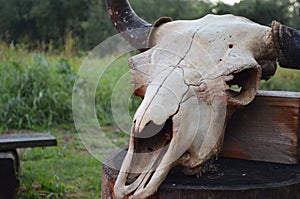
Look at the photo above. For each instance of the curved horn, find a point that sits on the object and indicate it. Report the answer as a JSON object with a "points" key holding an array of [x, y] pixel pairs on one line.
{"points": [[287, 43], [134, 29]]}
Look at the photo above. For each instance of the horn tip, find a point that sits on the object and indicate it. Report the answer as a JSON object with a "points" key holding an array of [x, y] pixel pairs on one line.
{"points": [[287, 44]]}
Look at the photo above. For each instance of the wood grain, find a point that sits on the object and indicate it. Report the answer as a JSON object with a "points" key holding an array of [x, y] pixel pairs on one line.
{"points": [[265, 130]]}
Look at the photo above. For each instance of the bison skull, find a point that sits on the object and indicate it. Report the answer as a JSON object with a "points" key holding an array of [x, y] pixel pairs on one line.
{"points": [[186, 78]]}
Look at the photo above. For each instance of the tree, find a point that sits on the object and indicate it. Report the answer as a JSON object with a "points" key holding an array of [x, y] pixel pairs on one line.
{"points": [[262, 12], [295, 11], [41, 20], [49, 21]]}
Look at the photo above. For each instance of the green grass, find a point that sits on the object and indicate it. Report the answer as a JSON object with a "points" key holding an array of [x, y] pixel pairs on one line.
{"points": [[35, 88], [65, 171]]}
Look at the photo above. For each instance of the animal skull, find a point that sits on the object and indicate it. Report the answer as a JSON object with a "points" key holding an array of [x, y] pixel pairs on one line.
{"points": [[186, 78]]}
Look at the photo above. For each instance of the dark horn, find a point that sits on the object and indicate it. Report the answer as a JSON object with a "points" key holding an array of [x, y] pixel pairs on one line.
{"points": [[287, 44], [134, 29]]}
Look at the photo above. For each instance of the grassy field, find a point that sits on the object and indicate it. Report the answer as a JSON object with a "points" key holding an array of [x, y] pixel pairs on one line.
{"points": [[36, 94], [65, 171]]}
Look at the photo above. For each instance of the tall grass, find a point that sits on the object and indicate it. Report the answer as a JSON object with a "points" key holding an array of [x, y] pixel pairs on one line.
{"points": [[107, 85], [35, 89]]}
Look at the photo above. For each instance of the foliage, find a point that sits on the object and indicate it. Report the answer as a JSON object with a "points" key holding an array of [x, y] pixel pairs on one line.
{"points": [[151, 10], [263, 12], [32, 21], [47, 24]]}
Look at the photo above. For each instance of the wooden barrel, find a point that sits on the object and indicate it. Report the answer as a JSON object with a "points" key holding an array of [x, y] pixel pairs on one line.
{"points": [[234, 179]]}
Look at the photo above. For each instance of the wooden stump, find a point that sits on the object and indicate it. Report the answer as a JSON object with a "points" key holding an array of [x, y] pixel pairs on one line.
{"points": [[234, 179]]}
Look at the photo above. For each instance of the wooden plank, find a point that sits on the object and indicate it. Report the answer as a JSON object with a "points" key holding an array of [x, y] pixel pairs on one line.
{"points": [[265, 130], [14, 141]]}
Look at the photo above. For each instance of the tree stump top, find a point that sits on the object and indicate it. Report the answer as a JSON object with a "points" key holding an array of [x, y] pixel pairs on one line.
{"points": [[233, 176]]}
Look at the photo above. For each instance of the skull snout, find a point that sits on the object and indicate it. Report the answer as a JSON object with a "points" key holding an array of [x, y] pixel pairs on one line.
{"points": [[162, 99]]}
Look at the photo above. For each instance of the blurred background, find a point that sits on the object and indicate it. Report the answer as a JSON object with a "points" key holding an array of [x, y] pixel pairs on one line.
{"points": [[49, 25], [42, 45]]}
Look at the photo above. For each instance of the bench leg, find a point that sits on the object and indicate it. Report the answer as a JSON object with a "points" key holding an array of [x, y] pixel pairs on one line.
{"points": [[9, 169]]}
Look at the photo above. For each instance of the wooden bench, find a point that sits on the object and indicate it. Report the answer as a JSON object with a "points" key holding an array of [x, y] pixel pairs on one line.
{"points": [[10, 161]]}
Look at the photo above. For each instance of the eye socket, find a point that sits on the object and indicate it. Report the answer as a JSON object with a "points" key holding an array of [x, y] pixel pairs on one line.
{"points": [[243, 86]]}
